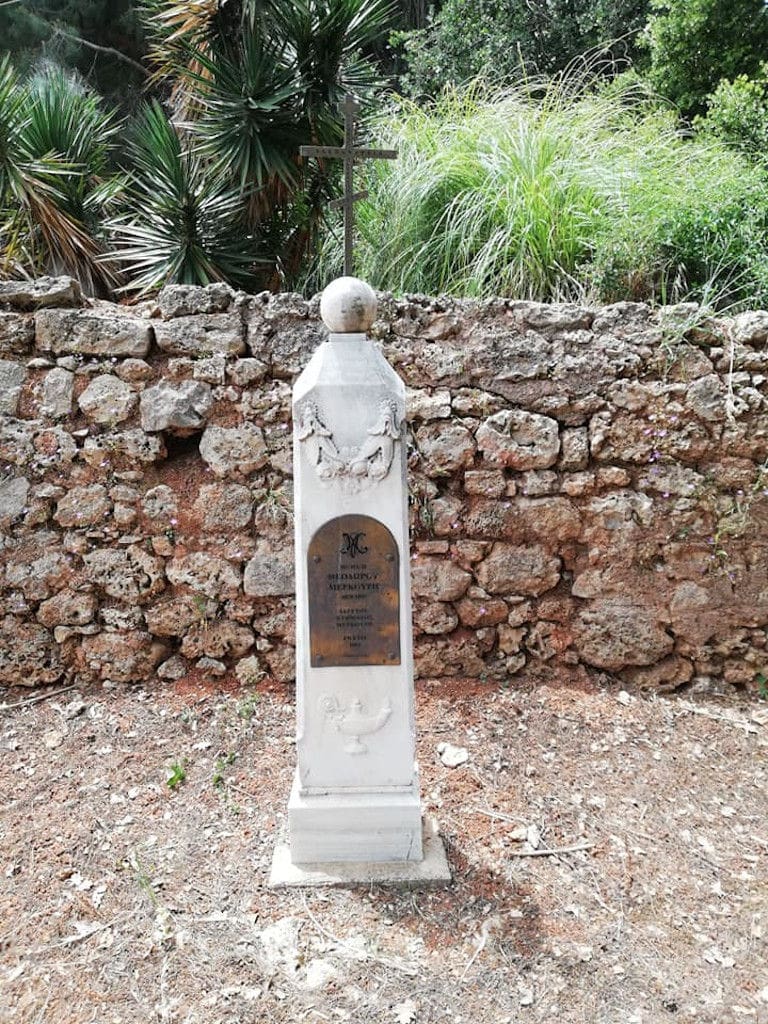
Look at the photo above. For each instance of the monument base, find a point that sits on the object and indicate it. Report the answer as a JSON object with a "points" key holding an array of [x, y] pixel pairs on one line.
{"points": [[355, 826], [431, 871]]}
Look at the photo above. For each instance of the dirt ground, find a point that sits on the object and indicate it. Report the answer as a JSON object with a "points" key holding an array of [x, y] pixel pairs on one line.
{"points": [[124, 898]]}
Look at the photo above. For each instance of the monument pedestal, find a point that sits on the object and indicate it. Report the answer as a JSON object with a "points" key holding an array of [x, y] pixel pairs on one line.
{"points": [[357, 825], [355, 799], [431, 871]]}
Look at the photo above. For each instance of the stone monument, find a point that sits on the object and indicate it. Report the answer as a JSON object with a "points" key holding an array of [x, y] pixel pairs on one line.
{"points": [[354, 812]]}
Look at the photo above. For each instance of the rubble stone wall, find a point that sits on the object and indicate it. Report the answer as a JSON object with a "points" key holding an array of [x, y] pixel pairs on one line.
{"points": [[588, 486]]}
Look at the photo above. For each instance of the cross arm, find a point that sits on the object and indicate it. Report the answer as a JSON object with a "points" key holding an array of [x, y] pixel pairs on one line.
{"points": [[357, 154]]}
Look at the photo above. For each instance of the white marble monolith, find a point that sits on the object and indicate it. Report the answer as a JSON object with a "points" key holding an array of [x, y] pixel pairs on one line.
{"points": [[355, 797]]}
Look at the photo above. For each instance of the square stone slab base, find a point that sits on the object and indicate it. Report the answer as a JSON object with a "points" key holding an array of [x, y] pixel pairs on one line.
{"points": [[431, 872]]}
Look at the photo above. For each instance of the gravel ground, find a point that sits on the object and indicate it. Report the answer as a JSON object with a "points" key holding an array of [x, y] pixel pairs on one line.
{"points": [[137, 830]]}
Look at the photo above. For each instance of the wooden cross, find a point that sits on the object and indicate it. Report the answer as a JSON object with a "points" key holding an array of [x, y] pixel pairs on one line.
{"points": [[349, 154]]}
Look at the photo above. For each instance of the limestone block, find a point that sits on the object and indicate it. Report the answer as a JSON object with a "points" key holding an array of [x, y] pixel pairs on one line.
{"points": [[270, 574], [234, 449], [134, 445], [14, 492], [282, 663], [667, 674], [54, 446], [17, 333], [123, 515], [249, 671], [68, 608], [513, 569], [478, 612], [670, 479], [28, 654], [12, 377], [204, 573], [41, 577], [160, 502], [287, 350], [707, 397], [751, 328], [91, 333], [43, 292], [449, 656], [210, 370], [613, 634], [245, 372], [178, 408], [217, 639], [174, 617], [224, 507], [132, 574], [435, 619], [444, 516], [57, 393], [427, 405], [576, 485], [511, 638], [445, 447], [536, 482], [121, 619], [134, 371], [487, 483], [83, 506], [107, 399], [519, 439], [188, 300], [474, 402], [121, 657], [281, 622], [172, 669], [552, 316], [574, 452], [205, 334], [438, 579]]}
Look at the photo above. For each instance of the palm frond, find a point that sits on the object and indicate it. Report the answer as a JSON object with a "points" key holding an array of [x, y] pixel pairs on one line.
{"points": [[185, 223]]}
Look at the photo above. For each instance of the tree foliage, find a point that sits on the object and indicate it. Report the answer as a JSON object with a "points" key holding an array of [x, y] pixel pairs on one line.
{"points": [[497, 38], [696, 44], [59, 31]]}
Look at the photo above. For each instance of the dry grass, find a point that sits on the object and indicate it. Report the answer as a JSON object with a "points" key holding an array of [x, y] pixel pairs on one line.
{"points": [[126, 901]]}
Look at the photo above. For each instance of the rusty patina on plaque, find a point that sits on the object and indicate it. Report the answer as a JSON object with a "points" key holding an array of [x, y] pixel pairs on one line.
{"points": [[353, 571]]}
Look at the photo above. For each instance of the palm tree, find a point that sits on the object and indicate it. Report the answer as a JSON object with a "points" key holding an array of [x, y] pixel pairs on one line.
{"points": [[248, 82], [56, 180]]}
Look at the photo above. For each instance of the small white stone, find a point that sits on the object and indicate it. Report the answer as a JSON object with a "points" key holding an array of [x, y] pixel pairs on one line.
{"points": [[452, 756], [348, 306], [52, 738]]}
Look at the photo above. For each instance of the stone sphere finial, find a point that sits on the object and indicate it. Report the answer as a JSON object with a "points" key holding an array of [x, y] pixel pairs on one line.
{"points": [[348, 306]]}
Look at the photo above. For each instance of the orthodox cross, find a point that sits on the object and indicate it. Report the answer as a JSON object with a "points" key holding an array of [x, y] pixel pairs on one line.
{"points": [[348, 153]]}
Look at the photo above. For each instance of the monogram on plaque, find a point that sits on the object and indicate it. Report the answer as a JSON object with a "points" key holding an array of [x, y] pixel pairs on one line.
{"points": [[354, 596]]}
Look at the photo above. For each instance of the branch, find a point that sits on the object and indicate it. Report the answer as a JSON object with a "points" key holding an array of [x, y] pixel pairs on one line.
{"points": [[9, 3], [549, 853], [95, 46], [39, 697]]}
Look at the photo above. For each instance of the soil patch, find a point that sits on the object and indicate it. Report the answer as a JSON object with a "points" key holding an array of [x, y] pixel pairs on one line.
{"points": [[125, 899]]}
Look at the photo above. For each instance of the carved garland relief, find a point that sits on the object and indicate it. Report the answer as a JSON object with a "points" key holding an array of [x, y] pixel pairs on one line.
{"points": [[353, 467]]}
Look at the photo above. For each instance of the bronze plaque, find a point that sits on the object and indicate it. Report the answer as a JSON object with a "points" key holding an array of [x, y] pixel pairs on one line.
{"points": [[353, 570]]}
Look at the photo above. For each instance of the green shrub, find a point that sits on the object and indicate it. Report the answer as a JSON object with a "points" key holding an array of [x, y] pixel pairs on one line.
{"points": [[563, 192], [696, 43], [737, 113]]}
